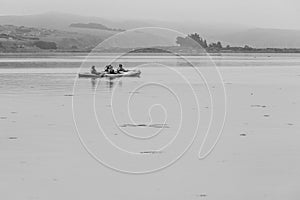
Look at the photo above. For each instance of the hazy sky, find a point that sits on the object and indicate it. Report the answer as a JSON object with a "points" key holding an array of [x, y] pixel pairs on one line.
{"points": [[259, 13]]}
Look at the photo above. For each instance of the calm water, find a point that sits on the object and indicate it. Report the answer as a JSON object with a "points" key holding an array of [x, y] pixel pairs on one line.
{"points": [[55, 74], [169, 91], [152, 120]]}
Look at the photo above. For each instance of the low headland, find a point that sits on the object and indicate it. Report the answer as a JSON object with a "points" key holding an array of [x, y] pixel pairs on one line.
{"points": [[20, 39]]}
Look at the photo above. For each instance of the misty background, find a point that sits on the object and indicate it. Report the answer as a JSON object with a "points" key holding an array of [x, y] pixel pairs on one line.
{"points": [[258, 23]]}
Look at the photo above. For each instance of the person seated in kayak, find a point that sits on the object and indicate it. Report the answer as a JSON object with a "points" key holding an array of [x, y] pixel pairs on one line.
{"points": [[111, 70], [94, 71], [121, 69], [106, 69]]}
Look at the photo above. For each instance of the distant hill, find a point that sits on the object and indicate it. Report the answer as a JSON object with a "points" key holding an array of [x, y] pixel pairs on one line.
{"points": [[262, 38], [226, 33], [22, 38], [95, 26], [51, 20], [62, 21]]}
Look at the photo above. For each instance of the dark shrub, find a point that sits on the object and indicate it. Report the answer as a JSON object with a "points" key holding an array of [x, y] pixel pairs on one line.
{"points": [[45, 45]]}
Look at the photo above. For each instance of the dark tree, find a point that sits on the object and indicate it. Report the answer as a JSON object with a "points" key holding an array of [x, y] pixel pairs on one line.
{"points": [[205, 44], [247, 47], [192, 40], [45, 45], [217, 45], [181, 41]]}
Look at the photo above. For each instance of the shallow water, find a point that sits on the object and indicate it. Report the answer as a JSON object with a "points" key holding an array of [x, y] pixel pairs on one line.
{"points": [[43, 156]]}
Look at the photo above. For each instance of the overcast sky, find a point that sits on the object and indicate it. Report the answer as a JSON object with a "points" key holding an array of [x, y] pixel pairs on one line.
{"points": [[259, 13]]}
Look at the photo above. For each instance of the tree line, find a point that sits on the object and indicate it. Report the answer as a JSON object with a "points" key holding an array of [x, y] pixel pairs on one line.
{"points": [[195, 41]]}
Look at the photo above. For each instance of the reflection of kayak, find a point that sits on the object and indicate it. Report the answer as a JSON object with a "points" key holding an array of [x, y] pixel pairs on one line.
{"points": [[130, 73]]}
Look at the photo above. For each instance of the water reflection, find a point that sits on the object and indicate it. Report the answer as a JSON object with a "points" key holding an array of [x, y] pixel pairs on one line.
{"points": [[110, 83], [120, 83], [94, 83]]}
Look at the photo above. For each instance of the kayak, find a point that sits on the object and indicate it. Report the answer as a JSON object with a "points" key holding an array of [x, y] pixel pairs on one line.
{"points": [[130, 73], [89, 75]]}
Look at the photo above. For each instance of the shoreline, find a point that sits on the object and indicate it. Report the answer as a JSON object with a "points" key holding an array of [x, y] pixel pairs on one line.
{"points": [[163, 50], [85, 53]]}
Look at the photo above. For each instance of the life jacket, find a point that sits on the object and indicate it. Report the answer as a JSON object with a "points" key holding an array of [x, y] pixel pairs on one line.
{"points": [[111, 71], [121, 69], [106, 68]]}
